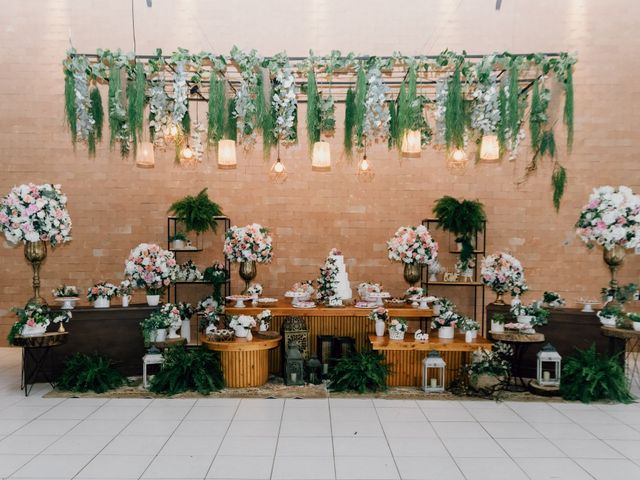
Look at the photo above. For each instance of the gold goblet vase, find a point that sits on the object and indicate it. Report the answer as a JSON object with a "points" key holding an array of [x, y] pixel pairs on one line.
{"points": [[247, 272], [35, 253]]}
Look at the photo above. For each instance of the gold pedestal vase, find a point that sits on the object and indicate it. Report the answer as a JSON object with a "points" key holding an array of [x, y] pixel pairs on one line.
{"points": [[412, 273], [499, 300], [614, 258], [247, 272], [35, 253]]}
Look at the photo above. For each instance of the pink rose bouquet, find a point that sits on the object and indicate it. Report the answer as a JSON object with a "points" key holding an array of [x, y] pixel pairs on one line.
{"points": [[150, 267], [413, 245]]}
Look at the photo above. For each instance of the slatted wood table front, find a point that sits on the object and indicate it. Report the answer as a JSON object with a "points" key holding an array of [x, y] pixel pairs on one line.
{"points": [[405, 356]]}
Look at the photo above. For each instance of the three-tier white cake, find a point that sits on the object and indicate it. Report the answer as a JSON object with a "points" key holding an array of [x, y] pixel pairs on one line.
{"points": [[343, 288]]}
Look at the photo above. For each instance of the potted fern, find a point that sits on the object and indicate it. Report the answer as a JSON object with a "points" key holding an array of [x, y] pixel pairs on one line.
{"points": [[178, 241], [464, 219], [197, 213]]}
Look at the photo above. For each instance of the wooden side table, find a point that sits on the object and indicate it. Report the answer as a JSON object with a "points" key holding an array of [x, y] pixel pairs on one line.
{"points": [[520, 342], [35, 350], [631, 339], [245, 363]]}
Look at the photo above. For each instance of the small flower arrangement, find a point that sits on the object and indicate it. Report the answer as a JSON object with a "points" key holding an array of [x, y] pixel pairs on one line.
{"points": [[173, 315], [251, 243], [255, 289], [467, 324], [33, 316], [188, 272], [30, 213], [264, 318], [102, 289], [186, 310], [553, 299], [245, 321], [156, 321], [125, 288], [612, 217], [412, 245], [65, 291], [539, 316], [303, 287], [150, 267], [334, 252], [414, 292], [208, 305], [448, 318], [444, 305], [379, 314], [634, 317], [501, 272], [216, 273], [519, 289], [398, 325]]}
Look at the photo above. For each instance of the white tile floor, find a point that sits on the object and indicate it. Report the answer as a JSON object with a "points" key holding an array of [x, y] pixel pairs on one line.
{"points": [[309, 439]]}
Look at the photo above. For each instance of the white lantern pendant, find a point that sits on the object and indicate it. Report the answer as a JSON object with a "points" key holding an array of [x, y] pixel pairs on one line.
{"points": [[457, 161], [433, 373], [549, 367], [278, 173], [227, 154], [365, 171], [411, 144], [490, 148], [321, 157], [145, 157]]}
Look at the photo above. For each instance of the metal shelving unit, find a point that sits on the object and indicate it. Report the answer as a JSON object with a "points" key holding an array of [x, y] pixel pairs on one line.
{"points": [[478, 288]]}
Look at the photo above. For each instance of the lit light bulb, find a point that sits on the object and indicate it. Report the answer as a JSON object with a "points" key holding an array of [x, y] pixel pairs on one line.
{"points": [[278, 167], [458, 155], [173, 131], [187, 153], [364, 165]]}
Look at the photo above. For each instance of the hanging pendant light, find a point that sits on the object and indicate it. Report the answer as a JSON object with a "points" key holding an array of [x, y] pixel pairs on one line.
{"points": [[489, 148], [321, 158], [457, 162], [227, 154], [278, 173], [411, 144], [145, 157], [365, 171]]}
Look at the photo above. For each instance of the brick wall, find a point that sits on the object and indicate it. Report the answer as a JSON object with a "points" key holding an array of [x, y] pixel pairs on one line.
{"points": [[114, 205]]}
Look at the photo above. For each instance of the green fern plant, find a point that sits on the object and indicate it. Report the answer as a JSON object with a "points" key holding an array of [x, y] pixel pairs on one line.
{"points": [[349, 122], [197, 213], [186, 370], [70, 104], [464, 219], [360, 372], [136, 99], [217, 110], [589, 376], [93, 372]]}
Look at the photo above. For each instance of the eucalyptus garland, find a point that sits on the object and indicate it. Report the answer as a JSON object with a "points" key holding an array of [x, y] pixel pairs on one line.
{"points": [[160, 119], [360, 96], [118, 112], [245, 113], [285, 104], [376, 121], [485, 115], [196, 141], [349, 122], [180, 92], [442, 94]]}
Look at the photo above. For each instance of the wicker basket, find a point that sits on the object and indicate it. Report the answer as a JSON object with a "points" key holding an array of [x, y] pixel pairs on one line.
{"points": [[396, 335]]}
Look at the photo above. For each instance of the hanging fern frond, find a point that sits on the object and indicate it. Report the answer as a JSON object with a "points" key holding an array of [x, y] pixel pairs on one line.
{"points": [[136, 98], [503, 123], [349, 122], [513, 112], [568, 106], [70, 105], [217, 110], [534, 123], [559, 182], [361, 93], [393, 125], [401, 114], [455, 120], [186, 121], [547, 144], [232, 121], [313, 110], [97, 111]]}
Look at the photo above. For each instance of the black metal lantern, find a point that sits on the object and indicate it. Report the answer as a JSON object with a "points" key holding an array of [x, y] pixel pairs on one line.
{"points": [[324, 346], [294, 365], [314, 370], [343, 347]]}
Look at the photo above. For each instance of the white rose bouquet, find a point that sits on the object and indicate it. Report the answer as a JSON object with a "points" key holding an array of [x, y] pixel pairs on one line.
{"points": [[150, 267]]}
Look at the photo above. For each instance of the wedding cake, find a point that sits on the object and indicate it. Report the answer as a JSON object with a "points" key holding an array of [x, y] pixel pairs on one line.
{"points": [[343, 289]]}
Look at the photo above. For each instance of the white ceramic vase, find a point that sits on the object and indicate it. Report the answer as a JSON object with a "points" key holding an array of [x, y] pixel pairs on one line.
{"points": [[101, 302], [125, 300], [380, 326], [185, 330], [249, 336], [241, 332], [469, 336], [161, 335], [636, 326], [153, 300], [263, 327], [497, 327], [68, 303], [445, 332], [173, 332], [177, 245]]}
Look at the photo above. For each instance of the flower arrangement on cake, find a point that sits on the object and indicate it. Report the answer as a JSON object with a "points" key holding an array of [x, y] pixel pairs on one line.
{"points": [[501, 272], [248, 244], [188, 272], [34, 319], [412, 245], [610, 218], [365, 288], [328, 282], [29, 213], [264, 319], [254, 290], [65, 291], [150, 267], [102, 289], [173, 315]]}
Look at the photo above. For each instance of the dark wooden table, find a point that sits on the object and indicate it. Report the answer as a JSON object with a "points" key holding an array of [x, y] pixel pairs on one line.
{"points": [[36, 350], [520, 342], [631, 339]]}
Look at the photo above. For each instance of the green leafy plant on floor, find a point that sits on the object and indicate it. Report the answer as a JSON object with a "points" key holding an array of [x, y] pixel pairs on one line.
{"points": [[197, 213], [93, 372], [589, 376], [186, 370], [360, 372], [464, 219]]}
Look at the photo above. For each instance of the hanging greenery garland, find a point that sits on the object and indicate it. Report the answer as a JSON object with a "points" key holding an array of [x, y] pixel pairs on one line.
{"points": [[349, 122], [568, 105], [217, 110], [442, 94], [97, 111], [376, 121], [454, 117], [285, 105], [117, 112], [360, 95], [70, 104], [245, 103], [559, 183], [136, 98], [231, 125], [313, 110]]}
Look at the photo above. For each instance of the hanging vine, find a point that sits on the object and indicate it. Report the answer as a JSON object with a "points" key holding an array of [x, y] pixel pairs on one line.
{"points": [[349, 122]]}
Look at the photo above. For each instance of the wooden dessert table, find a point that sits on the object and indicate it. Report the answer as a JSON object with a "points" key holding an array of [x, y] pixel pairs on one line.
{"points": [[520, 343], [405, 356], [245, 363], [347, 321]]}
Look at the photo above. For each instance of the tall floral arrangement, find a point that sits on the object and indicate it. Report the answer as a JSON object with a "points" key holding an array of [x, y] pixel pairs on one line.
{"points": [[250, 243], [150, 267], [35, 212], [501, 272], [612, 217], [327, 281], [412, 245]]}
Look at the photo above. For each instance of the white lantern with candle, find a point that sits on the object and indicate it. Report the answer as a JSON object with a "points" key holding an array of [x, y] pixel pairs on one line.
{"points": [[489, 149], [411, 143], [433, 369], [321, 157], [227, 154], [549, 366], [145, 157]]}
